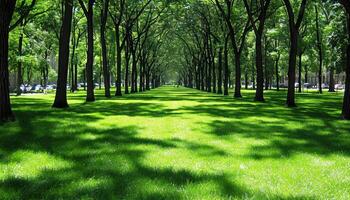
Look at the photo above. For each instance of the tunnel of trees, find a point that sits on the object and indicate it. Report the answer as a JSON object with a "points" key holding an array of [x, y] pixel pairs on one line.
{"points": [[218, 46]]}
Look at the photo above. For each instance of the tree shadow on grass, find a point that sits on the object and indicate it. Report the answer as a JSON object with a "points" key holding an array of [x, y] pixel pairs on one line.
{"points": [[78, 161], [313, 127]]}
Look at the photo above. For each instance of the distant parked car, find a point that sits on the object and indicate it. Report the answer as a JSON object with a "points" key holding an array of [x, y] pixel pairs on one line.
{"points": [[283, 85], [26, 88], [36, 88], [307, 85], [51, 87], [339, 87], [296, 85], [325, 86]]}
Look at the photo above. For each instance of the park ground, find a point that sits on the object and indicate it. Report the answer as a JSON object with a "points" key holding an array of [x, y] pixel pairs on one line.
{"points": [[176, 143]]}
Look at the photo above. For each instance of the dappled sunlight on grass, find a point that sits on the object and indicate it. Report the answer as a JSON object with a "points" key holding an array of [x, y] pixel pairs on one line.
{"points": [[176, 143]]}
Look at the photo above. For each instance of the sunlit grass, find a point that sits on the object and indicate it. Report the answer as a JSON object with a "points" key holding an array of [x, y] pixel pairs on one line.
{"points": [[176, 143]]}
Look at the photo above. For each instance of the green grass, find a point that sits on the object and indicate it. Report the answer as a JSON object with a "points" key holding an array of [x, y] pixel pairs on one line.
{"points": [[176, 143]]}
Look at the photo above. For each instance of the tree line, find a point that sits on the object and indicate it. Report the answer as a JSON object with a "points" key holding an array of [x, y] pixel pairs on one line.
{"points": [[260, 36], [125, 37]]}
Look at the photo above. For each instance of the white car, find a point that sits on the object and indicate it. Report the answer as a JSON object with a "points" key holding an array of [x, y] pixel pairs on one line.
{"points": [[339, 87]]}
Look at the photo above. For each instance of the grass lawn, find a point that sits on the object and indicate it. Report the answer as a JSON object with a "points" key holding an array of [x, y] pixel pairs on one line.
{"points": [[176, 143]]}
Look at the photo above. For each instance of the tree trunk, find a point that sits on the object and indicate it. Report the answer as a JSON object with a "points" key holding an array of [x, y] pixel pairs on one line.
{"points": [[259, 95], [346, 102], [19, 65], [133, 70], [90, 54], [292, 63], [6, 11], [306, 75], [300, 71], [106, 74], [220, 72], [277, 73], [72, 60], [119, 63], [226, 71], [238, 76], [320, 53], [61, 91], [46, 70], [331, 79], [214, 74], [127, 61]]}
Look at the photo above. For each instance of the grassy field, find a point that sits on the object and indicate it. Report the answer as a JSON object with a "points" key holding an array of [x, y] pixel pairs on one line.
{"points": [[176, 143]]}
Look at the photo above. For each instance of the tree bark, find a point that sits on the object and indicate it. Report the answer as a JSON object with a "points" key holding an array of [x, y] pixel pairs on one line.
{"points": [[238, 83], [277, 73], [300, 71], [259, 95], [346, 101], [294, 34], [90, 54], [61, 91], [226, 71], [292, 64], [19, 64], [320, 53], [106, 74], [331, 80], [220, 72], [119, 63], [6, 12]]}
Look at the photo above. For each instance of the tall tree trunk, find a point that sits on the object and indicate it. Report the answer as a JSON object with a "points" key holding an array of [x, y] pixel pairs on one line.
{"points": [[238, 76], [300, 71], [133, 70], [346, 102], [106, 74], [220, 72], [320, 53], [226, 71], [294, 34], [46, 70], [246, 80], [259, 95], [214, 74], [19, 64], [119, 63], [61, 90], [331, 79], [292, 64], [127, 60], [277, 73], [6, 12], [72, 60], [306, 75], [90, 54]]}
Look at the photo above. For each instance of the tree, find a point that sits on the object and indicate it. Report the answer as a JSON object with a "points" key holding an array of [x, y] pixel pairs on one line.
{"points": [[117, 16], [346, 102], [106, 74], [7, 8], [261, 11], [88, 12], [319, 48], [61, 91], [237, 41], [294, 27]]}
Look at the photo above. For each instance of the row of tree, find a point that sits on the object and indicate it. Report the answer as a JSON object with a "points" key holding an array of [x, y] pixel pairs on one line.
{"points": [[301, 35], [121, 37]]}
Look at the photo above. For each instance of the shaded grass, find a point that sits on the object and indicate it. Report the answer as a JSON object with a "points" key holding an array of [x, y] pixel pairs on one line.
{"points": [[176, 143]]}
